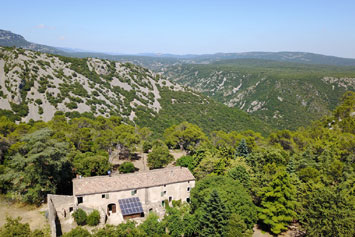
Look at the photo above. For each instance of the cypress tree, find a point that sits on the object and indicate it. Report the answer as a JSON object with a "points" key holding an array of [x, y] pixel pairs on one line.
{"points": [[242, 149], [278, 203], [215, 217]]}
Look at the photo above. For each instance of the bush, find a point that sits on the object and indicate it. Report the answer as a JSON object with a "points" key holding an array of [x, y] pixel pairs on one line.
{"points": [[94, 218], [147, 146], [186, 161], [80, 216], [77, 232], [127, 167]]}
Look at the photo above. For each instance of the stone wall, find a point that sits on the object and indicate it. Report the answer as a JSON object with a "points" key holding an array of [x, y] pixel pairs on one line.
{"points": [[52, 216]]}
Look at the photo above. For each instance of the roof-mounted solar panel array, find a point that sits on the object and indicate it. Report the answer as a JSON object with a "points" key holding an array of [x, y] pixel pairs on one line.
{"points": [[130, 206]]}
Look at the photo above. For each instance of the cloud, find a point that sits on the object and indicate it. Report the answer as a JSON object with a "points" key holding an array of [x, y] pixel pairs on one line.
{"points": [[43, 26]]}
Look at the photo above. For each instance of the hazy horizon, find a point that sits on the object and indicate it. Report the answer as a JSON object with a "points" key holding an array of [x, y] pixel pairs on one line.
{"points": [[198, 27]]}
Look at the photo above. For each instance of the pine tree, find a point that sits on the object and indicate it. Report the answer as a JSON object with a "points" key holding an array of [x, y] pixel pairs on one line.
{"points": [[215, 217], [278, 203], [242, 149]]}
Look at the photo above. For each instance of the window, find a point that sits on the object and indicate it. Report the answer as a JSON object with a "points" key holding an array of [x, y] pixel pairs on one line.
{"points": [[150, 209], [188, 200], [188, 189], [80, 200], [163, 203], [103, 195], [170, 198], [163, 193], [134, 192], [164, 185], [70, 209], [107, 196]]}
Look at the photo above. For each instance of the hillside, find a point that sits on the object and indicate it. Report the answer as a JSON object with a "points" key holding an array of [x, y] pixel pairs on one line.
{"points": [[36, 85], [9, 39], [285, 95]]}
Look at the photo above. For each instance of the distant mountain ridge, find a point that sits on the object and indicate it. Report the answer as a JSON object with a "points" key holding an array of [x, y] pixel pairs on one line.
{"points": [[158, 61], [9, 39]]}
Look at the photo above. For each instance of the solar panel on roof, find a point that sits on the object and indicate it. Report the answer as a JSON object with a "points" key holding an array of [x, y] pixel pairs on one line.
{"points": [[130, 206]]}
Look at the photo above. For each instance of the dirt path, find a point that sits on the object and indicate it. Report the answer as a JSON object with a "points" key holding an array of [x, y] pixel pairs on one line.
{"points": [[32, 215]]}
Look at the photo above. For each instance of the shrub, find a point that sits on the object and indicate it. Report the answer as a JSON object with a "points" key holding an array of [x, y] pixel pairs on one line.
{"points": [[77, 232], [80, 216], [127, 167], [94, 218], [147, 146], [38, 101]]}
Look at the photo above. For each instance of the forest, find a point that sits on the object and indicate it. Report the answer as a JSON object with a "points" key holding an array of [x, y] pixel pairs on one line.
{"points": [[304, 177]]}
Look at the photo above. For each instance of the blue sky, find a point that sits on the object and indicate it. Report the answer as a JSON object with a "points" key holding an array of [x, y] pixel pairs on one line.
{"points": [[183, 27]]}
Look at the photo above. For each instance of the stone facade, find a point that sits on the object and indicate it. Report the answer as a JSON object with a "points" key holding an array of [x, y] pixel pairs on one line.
{"points": [[151, 187]]}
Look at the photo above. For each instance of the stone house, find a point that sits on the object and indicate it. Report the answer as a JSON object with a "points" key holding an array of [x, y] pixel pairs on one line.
{"points": [[133, 195]]}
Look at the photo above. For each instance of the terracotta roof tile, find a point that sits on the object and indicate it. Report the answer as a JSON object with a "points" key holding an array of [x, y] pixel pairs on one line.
{"points": [[103, 184]]}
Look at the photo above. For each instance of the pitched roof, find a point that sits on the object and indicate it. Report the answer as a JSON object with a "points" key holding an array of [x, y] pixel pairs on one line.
{"points": [[151, 178]]}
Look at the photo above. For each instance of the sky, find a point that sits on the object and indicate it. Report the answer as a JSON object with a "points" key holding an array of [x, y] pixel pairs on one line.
{"points": [[186, 27]]}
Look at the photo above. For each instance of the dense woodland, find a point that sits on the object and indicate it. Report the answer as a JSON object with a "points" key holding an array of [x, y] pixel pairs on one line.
{"points": [[305, 176]]}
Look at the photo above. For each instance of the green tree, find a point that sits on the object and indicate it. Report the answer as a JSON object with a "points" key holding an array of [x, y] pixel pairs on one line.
{"points": [[90, 164], [152, 226], [14, 227], [215, 217], [232, 194], [278, 203], [93, 218], [240, 174], [39, 166], [77, 232], [159, 157], [80, 216], [127, 167], [236, 227], [328, 211], [186, 161], [179, 221], [242, 149], [185, 135]]}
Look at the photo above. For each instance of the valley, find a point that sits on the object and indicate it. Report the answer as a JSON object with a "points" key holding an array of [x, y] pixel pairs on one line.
{"points": [[284, 95]]}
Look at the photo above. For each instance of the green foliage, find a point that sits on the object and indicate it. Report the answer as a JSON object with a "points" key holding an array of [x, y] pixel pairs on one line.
{"points": [[232, 195], [186, 161], [215, 216], [93, 219], [127, 167], [38, 166], [127, 229], [239, 173], [90, 164], [179, 221], [196, 109], [185, 135], [147, 146], [80, 216], [77, 232], [159, 157], [278, 203], [236, 227], [14, 227], [263, 86], [242, 149], [328, 212], [152, 226]]}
